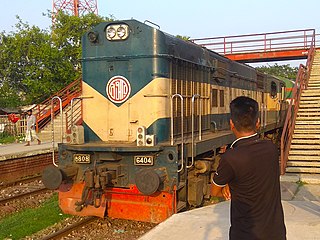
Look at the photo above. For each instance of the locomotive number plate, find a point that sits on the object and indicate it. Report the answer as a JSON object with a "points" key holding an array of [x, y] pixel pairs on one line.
{"points": [[81, 158], [143, 160]]}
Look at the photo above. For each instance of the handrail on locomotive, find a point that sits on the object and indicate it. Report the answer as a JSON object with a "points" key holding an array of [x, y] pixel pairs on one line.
{"points": [[52, 125], [182, 128], [192, 125]]}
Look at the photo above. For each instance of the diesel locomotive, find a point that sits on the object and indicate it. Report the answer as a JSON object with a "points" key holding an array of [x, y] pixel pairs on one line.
{"points": [[155, 114]]}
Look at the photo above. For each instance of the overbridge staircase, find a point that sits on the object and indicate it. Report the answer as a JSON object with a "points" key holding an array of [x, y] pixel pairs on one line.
{"points": [[60, 124], [304, 151]]}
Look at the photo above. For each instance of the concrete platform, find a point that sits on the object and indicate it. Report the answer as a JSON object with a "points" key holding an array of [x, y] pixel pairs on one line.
{"points": [[301, 204], [17, 150]]}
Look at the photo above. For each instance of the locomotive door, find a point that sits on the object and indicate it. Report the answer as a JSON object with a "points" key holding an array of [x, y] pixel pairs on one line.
{"points": [[118, 89]]}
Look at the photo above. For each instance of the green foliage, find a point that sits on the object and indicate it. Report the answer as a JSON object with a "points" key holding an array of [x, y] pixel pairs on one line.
{"points": [[8, 95], [30, 221], [67, 32], [186, 38], [35, 63], [284, 71], [6, 138]]}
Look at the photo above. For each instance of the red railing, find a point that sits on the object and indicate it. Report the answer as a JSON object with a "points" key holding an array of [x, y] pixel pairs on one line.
{"points": [[43, 110], [262, 42], [300, 84], [75, 117]]}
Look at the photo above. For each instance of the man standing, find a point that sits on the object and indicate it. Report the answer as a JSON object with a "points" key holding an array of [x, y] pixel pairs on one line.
{"points": [[250, 169], [31, 126]]}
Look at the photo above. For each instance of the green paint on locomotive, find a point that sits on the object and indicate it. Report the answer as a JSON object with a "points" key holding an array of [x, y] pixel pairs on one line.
{"points": [[136, 58]]}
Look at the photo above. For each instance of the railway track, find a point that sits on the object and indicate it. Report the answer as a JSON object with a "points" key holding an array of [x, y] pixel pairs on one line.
{"points": [[20, 181], [21, 195], [67, 230]]}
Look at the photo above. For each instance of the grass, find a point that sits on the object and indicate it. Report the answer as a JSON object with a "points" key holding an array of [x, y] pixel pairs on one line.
{"points": [[30, 221], [7, 138]]}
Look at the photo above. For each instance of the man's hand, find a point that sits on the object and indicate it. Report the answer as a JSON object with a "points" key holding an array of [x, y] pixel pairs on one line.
{"points": [[223, 149], [226, 192], [221, 191]]}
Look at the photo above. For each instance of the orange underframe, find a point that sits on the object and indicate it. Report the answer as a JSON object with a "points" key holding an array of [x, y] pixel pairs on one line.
{"points": [[122, 203]]}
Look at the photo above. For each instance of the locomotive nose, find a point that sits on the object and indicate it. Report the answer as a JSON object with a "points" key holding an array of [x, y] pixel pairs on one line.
{"points": [[53, 177]]}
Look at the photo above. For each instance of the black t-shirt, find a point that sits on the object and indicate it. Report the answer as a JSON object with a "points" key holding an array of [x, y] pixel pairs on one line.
{"points": [[251, 168]]}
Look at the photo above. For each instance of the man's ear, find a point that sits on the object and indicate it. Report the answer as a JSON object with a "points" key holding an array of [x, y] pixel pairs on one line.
{"points": [[232, 125], [258, 124]]}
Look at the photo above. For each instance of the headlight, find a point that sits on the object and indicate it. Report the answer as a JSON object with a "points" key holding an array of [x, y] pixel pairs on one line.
{"points": [[121, 32], [111, 33], [93, 37], [117, 32]]}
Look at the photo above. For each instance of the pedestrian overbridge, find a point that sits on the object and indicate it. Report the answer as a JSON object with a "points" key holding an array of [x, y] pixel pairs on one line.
{"points": [[263, 47]]}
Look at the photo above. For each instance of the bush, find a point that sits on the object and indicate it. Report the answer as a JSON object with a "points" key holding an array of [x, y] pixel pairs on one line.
{"points": [[7, 138]]}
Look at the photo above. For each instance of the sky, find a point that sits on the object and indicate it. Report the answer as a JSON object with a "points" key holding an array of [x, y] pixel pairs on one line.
{"points": [[195, 19]]}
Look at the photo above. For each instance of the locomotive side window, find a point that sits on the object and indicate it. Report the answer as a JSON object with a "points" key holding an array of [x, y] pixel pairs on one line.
{"points": [[221, 93], [273, 90], [214, 98]]}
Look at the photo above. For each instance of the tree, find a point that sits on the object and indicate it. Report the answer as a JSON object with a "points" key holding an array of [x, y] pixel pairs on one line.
{"points": [[284, 71], [67, 32], [186, 38], [35, 63]]}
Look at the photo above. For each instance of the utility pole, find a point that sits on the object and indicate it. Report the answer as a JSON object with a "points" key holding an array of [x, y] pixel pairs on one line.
{"points": [[74, 7]]}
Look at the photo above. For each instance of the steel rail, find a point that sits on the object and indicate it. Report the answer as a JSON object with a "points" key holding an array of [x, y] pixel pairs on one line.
{"points": [[67, 230], [13, 183], [18, 196]]}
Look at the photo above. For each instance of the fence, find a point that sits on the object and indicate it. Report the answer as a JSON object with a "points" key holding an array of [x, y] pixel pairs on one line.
{"points": [[15, 129]]}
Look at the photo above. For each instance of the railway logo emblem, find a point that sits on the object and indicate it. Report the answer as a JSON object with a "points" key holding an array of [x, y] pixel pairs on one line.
{"points": [[118, 89]]}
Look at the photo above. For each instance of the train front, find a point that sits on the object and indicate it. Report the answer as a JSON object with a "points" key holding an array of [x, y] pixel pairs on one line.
{"points": [[115, 164]]}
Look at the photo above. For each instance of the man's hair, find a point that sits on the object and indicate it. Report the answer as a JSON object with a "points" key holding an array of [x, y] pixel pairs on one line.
{"points": [[30, 110], [244, 113]]}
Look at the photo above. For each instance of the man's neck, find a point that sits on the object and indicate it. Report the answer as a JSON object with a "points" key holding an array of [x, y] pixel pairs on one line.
{"points": [[243, 134]]}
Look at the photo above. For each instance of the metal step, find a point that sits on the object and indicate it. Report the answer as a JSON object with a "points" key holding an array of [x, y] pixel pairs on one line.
{"points": [[314, 90], [302, 164], [310, 152], [181, 185], [309, 110], [181, 205], [314, 84], [310, 114], [308, 118], [305, 141], [307, 127], [303, 105], [304, 146], [310, 96], [306, 136], [313, 100], [306, 122], [304, 131], [303, 158], [302, 170]]}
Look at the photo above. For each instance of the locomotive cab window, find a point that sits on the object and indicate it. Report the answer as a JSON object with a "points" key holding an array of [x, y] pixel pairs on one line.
{"points": [[273, 90]]}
